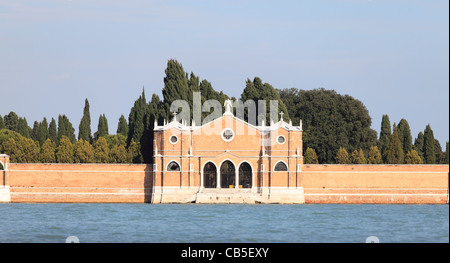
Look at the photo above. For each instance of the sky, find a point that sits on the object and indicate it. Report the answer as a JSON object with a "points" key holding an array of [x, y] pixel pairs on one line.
{"points": [[393, 55]]}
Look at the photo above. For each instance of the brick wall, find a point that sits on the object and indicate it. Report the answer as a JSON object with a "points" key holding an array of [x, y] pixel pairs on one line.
{"points": [[108, 183], [375, 183]]}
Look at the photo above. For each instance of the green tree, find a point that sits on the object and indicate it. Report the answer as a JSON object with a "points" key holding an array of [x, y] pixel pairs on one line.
{"points": [[395, 153], [122, 127], [330, 121], [102, 127], [385, 135], [358, 157], [83, 152], [418, 144], [446, 161], [35, 131], [11, 121], [84, 129], [2, 124], [65, 128], [23, 128], [342, 156], [42, 134], [119, 154], [47, 154], [101, 150], [412, 157], [134, 152], [404, 134], [374, 156], [52, 132], [428, 146], [176, 87], [256, 90], [310, 156], [64, 152]]}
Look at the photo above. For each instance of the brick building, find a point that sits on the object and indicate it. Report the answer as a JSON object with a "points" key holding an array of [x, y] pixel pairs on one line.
{"points": [[227, 160]]}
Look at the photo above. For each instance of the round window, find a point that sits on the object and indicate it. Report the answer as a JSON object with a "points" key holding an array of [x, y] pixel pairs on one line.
{"points": [[281, 139], [228, 135], [173, 139]]}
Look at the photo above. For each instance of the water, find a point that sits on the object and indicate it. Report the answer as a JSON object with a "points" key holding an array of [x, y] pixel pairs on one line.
{"points": [[147, 223]]}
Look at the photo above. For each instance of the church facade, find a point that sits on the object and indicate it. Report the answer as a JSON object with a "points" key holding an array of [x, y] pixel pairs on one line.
{"points": [[227, 161]]}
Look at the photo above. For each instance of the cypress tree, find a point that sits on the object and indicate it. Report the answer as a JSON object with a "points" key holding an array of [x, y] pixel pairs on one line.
{"points": [[418, 144], [11, 121], [35, 131], [52, 132], [65, 128], [84, 129], [136, 119], [176, 87], [428, 146], [102, 127], [395, 153], [385, 134], [256, 91], [2, 124], [23, 128], [42, 135], [404, 134], [122, 127]]}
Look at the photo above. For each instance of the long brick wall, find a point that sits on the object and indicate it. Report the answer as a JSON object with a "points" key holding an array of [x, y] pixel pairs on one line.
{"points": [[425, 184], [132, 183], [104, 183]]}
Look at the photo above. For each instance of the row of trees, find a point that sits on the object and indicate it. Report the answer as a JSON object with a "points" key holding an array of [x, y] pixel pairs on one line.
{"points": [[335, 126], [107, 149]]}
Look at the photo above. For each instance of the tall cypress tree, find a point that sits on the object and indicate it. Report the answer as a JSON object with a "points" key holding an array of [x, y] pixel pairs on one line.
{"points": [[35, 131], [418, 144], [84, 129], [23, 128], [429, 156], [404, 134], [122, 127], [52, 132], [102, 130], [395, 153], [136, 119], [65, 128], [176, 87], [385, 134], [42, 131]]}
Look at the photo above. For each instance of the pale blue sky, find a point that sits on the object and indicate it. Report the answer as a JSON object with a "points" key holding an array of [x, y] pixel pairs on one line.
{"points": [[391, 55]]}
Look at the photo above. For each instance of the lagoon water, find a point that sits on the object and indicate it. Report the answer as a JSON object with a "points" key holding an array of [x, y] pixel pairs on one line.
{"points": [[189, 223]]}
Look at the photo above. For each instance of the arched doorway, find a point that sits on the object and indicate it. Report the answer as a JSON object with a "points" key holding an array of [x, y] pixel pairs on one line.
{"points": [[227, 175], [245, 175], [209, 175]]}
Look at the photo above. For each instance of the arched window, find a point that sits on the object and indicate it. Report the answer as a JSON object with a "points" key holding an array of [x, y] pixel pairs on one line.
{"points": [[210, 175], [245, 175], [173, 167], [280, 167], [227, 175]]}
